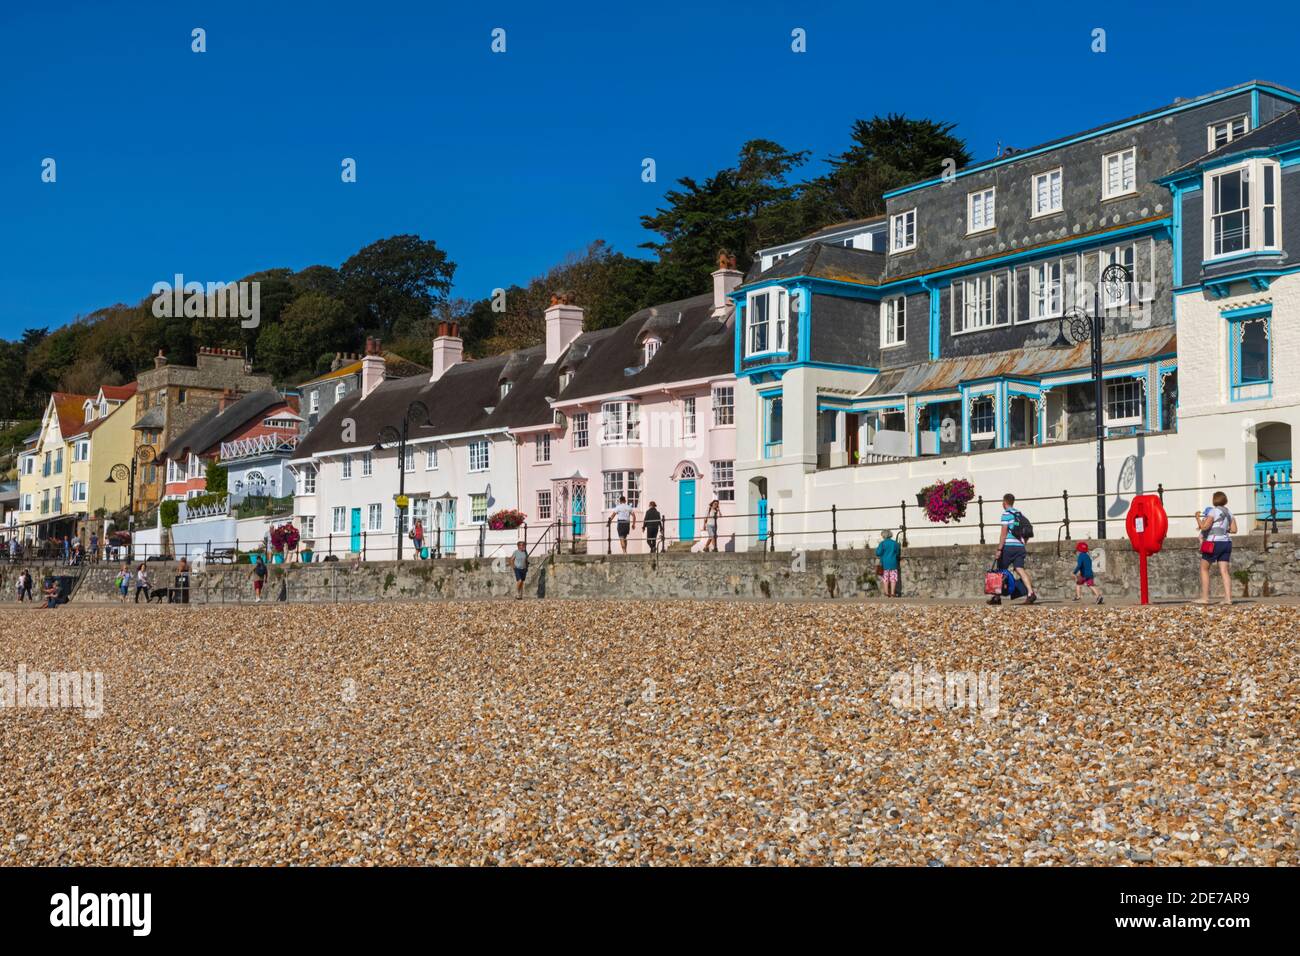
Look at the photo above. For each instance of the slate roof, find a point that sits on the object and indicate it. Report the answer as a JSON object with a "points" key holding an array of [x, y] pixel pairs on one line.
{"points": [[1278, 131], [694, 345], [153, 418], [1137, 117], [946, 374], [467, 397], [209, 430], [841, 263]]}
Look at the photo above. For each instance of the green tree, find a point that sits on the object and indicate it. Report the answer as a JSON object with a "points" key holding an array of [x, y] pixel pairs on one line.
{"points": [[289, 346], [395, 282], [735, 209], [217, 478], [887, 152]]}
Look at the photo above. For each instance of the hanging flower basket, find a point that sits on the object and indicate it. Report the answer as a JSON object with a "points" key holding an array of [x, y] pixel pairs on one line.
{"points": [[284, 537], [507, 519], [945, 501]]}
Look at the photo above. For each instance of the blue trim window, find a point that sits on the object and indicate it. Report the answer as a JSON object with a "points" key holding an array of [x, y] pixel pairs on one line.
{"points": [[1125, 405], [1241, 210], [766, 319], [773, 424], [1250, 357], [983, 418]]}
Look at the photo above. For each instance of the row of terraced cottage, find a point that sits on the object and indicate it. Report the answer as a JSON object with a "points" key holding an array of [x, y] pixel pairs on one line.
{"points": [[857, 365]]}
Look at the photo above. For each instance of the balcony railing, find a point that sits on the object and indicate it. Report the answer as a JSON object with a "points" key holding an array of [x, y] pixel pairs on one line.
{"points": [[260, 445]]}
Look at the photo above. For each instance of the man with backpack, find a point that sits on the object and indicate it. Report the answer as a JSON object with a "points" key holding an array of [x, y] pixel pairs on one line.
{"points": [[1016, 531]]}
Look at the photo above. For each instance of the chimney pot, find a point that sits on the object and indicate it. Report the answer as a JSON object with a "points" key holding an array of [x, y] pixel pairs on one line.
{"points": [[448, 349]]}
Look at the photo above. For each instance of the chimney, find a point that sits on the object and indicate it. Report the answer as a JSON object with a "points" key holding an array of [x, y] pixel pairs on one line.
{"points": [[724, 281], [372, 368], [160, 359], [448, 348], [563, 325], [227, 399]]}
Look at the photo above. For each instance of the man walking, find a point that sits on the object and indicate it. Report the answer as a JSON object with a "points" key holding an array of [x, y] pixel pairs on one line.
{"points": [[625, 518], [1011, 548], [520, 561], [652, 524]]}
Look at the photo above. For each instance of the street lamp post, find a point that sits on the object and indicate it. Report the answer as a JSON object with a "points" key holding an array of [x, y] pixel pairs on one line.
{"points": [[417, 415], [1114, 279], [118, 473]]}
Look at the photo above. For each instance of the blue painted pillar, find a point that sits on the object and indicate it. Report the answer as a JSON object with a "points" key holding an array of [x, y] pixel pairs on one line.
{"points": [[936, 303]]}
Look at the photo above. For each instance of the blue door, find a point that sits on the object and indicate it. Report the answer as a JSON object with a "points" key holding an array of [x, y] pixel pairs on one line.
{"points": [[762, 519], [449, 528], [1280, 471], [356, 530], [686, 509], [579, 511]]}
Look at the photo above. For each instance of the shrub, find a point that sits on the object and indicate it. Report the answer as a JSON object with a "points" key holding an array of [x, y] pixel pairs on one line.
{"points": [[170, 512], [946, 501]]}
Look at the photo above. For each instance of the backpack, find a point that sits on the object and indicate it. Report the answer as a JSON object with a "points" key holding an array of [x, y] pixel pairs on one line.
{"points": [[1023, 528]]}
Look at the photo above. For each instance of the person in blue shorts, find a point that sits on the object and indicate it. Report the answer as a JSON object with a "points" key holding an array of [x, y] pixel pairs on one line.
{"points": [[1011, 549], [520, 561], [1217, 526]]}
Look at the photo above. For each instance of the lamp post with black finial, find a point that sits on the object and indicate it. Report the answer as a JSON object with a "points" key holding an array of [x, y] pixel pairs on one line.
{"points": [[416, 416], [1116, 279]]}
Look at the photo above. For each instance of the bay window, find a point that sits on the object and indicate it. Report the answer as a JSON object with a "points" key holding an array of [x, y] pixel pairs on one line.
{"points": [[620, 422], [618, 484], [767, 317], [1242, 209]]}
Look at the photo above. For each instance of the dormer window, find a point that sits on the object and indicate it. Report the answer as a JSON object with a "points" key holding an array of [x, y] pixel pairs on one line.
{"points": [[505, 387], [565, 378], [648, 348], [339, 391]]}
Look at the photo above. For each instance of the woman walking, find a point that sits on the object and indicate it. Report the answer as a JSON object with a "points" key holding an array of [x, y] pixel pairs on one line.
{"points": [[124, 581], [1217, 526], [711, 525], [141, 584]]}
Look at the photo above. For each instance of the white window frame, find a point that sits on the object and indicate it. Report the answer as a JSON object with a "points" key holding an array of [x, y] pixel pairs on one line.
{"points": [[985, 201], [367, 464], [618, 483], [724, 480], [340, 520], [649, 348], [893, 323], [375, 517], [506, 385], [1256, 173], [1139, 401], [902, 231], [1243, 118], [775, 326], [542, 449], [1049, 304], [1125, 255], [340, 391], [431, 458], [1119, 154], [581, 422], [345, 468], [80, 491], [478, 513], [544, 505], [688, 417], [992, 417], [308, 523], [1054, 205], [408, 459], [313, 403], [480, 455], [308, 480], [723, 400], [977, 283]]}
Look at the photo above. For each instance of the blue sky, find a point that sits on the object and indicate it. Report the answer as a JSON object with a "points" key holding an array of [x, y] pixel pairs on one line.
{"points": [[218, 164]]}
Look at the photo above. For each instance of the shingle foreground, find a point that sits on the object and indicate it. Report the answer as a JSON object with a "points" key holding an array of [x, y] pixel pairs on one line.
{"points": [[666, 733]]}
